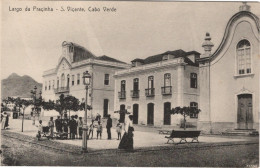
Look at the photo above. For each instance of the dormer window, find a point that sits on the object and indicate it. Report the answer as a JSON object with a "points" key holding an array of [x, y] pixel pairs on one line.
{"points": [[167, 57]]}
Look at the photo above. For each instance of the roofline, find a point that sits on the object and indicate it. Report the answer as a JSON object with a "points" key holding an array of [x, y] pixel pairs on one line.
{"points": [[228, 29]]}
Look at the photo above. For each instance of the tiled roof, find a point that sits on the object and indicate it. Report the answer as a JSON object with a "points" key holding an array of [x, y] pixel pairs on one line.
{"points": [[176, 53], [107, 58]]}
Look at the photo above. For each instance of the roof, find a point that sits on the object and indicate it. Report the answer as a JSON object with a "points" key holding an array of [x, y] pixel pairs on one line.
{"points": [[176, 53], [107, 58]]}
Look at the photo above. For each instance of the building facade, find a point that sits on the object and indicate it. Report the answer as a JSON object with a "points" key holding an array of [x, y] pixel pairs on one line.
{"points": [[229, 77], [152, 86], [67, 79]]}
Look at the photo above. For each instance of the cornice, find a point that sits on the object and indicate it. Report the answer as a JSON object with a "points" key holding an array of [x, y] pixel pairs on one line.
{"points": [[150, 67]]}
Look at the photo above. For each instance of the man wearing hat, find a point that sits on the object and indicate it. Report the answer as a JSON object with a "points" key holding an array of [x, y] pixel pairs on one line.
{"points": [[109, 125]]}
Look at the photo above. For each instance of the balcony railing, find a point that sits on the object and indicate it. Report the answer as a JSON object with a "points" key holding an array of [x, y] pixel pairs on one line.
{"points": [[135, 93], [149, 92], [167, 90], [122, 95], [61, 90]]}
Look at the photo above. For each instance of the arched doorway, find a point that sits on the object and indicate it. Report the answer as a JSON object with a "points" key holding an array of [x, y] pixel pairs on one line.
{"points": [[150, 114], [135, 114], [122, 114], [167, 114], [68, 80], [244, 112]]}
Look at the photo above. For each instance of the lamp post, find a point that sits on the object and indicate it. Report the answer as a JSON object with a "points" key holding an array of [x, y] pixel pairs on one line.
{"points": [[86, 79], [34, 101]]}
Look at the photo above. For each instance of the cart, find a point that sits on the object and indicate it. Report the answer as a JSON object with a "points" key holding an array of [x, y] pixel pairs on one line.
{"points": [[44, 133]]}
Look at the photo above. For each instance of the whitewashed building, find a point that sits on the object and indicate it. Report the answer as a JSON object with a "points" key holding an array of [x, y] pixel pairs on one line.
{"points": [[229, 77], [66, 78], [152, 86]]}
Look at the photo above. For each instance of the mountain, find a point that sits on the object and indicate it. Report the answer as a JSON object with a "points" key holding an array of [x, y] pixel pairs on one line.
{"points": [[18, 86]]}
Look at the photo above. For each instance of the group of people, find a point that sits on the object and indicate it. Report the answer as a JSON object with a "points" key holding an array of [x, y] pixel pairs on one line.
{"points": [[4, 120], [71, 127], [74, 128]]}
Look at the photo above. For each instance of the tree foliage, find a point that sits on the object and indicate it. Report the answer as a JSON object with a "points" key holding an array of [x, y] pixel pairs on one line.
{"points": [[185, 112]]}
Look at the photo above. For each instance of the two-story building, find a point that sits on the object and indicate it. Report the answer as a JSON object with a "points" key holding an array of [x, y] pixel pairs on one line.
{"points": [[152, 86], [66, 78]]}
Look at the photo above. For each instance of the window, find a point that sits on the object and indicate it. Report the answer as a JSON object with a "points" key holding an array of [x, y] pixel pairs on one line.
{"points": [[78, 79], [72, 83], [45, 85], [167, 79], [194, 105], [62, 80], [193, 80], [243, 57], [136, 84], [53, 83], [49, 85], [150, 82], [122, 85], [106, 81], [58, 82]]}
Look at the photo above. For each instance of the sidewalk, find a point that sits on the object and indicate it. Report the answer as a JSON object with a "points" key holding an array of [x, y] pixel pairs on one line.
{"points": [[141, 139]]}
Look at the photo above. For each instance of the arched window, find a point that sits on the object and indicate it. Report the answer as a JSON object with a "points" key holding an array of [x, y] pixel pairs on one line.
{"points": [[194, 105], [243, 57]]}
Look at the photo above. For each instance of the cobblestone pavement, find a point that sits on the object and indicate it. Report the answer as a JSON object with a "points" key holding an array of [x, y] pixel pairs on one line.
{"points": [[26, 151]]}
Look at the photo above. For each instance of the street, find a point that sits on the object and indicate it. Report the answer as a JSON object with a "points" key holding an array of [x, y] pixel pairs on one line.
{"points": [[18, 152]]}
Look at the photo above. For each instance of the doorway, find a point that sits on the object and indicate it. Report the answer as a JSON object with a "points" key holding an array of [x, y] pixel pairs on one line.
{"points": [[167, 114], [135, 114], [244, 112], [150, 114]]}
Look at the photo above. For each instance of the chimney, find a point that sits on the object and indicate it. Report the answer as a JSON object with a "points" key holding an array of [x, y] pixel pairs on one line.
{"points": [[244, 7], [207, 45]]}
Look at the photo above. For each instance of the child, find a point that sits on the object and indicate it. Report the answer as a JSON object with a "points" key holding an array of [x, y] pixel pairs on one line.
{"points": [[91, 129], [99, 130], [80, 125], [39, 130], [118, 130]]}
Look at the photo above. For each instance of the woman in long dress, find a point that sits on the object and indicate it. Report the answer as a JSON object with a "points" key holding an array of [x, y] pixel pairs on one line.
{"points": [[127, 141], [4, 115]]}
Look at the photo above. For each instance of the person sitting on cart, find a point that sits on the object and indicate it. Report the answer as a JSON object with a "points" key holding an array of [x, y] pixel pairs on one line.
{"points": [[39, 129], [51, 126]]}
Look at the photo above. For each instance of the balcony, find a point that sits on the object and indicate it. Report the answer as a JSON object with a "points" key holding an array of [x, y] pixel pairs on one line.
{"points": [[149, 92], [61, 90], [135, 93], [122, 95], [167, 90]]}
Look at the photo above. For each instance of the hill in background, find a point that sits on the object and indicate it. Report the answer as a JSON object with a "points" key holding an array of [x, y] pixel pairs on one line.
{"points": [[18, 86]]}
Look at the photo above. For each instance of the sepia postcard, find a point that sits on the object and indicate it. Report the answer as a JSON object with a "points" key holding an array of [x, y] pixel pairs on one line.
{"points": [[130, 83]]}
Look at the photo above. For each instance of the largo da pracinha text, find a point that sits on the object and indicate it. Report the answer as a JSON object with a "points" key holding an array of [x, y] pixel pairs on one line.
{"points": [[63, 9]]}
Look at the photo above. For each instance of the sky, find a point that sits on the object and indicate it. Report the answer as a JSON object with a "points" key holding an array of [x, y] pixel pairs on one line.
{"points": [[31, 41]]}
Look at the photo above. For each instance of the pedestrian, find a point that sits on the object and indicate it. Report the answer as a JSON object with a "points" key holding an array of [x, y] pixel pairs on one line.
{"points": [[4, 115], [98, 117], [76, 119], [109, 125], [39, 130], [65, 124], [80, 126], [127, 141], [51, 126], [73, 127], [91, 129], [119, 130], [58, 125], [7, 121], [99, 130]]}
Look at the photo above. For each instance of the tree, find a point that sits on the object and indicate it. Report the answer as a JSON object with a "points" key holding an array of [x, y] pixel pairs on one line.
{"points": [[71, 103], [185, 111], [25, 104]]}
